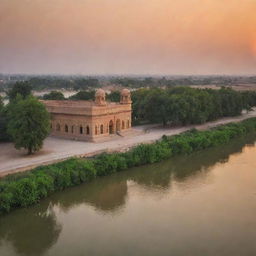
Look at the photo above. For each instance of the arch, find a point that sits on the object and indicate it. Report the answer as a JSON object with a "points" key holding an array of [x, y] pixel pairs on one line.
{"points": [[111, 127], [101, 129], [87, 130], [66, 128], [58, 127], [123, 125], [118, 125], [81, 129], [72, 129], [128, 123], [96, 130]]}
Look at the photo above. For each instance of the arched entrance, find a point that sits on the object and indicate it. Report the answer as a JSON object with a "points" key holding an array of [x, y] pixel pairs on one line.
{"points": [[118, 125], [111, 127]]}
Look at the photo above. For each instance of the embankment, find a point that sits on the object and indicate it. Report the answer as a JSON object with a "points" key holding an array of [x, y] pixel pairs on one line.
{"points": [[27, 188]]}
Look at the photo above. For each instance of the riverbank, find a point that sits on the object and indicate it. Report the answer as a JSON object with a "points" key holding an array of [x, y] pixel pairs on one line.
{"points": [[24, 189], [55, 149]]}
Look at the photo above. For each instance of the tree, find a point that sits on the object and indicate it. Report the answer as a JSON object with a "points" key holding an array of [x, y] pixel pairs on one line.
{"points": [[54, 95], [22, 88], [3, 122], [28, 123], [156, 106], [83, 95], [1, 104], [114, 96]]}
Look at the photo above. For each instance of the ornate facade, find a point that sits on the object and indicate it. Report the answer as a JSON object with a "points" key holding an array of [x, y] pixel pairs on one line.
{"points": [[90, 120]]}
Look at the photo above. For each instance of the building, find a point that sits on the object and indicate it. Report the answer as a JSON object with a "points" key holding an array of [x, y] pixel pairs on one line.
{"points": [[90, 120]]}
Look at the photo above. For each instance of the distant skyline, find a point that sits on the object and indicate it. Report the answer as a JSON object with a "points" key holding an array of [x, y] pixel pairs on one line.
{"points": [[144, 37]]}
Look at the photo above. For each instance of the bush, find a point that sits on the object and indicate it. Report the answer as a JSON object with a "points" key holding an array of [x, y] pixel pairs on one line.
{"points": [[24, 189]]}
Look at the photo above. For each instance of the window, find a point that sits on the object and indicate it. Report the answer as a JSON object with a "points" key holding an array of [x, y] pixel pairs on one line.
{"points": [[101, 129], [96, 130], [87, 130], [66, 128], [81, 129], [123, 126]]}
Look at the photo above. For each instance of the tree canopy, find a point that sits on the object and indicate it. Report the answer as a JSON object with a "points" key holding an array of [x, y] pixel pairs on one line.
{"points": [[83, 95], [54, 95], [28, 123], [185, 105], [22, 88]]}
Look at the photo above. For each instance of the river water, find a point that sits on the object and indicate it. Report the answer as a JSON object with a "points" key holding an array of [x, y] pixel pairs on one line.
{"points": [[203, 204]]}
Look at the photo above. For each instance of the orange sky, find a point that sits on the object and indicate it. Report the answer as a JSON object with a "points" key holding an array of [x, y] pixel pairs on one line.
{"points": [[128, 36]]}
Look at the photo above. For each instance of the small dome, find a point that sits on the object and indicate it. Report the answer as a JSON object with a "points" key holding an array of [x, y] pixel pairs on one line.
{"points": [[125, 92], [100, 93]]}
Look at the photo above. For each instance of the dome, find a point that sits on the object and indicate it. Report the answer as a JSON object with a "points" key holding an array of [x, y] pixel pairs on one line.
{"points": [[125, 92], [100, 93]]}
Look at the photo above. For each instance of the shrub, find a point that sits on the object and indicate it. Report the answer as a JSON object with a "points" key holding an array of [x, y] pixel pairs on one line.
{"points": [[24, 189]]}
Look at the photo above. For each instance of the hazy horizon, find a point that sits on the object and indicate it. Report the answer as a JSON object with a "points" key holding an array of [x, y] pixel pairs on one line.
{"points": [[128, 37]]}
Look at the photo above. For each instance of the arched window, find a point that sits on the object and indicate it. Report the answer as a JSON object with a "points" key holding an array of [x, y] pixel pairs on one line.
{"points": [[123, 125], [58, 127], [87, 130], [81, 129], [101, 129], [96, 130], [66, 128]]}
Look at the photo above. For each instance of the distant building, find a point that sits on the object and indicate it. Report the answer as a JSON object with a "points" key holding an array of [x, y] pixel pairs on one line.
{"points": [[89, 120]]}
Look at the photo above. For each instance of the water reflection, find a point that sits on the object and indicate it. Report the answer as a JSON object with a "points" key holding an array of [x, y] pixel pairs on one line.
{"points": [[34, 230], [31, 231], [109, 193]]}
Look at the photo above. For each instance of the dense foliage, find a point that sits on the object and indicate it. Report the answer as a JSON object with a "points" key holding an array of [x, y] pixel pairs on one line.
{"points": [[54, 95], [83, 95], [184, 105], [20, 88], [24, 189], [28, 123]]}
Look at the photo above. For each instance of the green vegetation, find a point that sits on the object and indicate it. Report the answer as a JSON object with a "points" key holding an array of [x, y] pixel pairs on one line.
{"points": [[24, 189], [20, 88], [184, 105], [114, 96], [83, 95], [54, 95], [28, 123]]}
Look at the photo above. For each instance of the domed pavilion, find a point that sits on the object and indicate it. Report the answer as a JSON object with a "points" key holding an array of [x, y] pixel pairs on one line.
{"points": [[90, 120]]}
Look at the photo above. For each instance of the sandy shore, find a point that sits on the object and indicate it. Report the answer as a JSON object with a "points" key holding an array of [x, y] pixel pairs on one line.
{"points": [[56, 149]]}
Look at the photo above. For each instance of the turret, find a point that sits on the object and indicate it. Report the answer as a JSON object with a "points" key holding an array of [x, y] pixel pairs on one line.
{"points": [[100, 97], [125, 97]]}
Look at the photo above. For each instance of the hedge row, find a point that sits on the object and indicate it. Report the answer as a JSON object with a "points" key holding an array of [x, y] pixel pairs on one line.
{"points": [[24, 189]]}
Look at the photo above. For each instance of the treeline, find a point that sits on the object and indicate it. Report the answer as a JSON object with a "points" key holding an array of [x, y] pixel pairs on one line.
{"points": [[80, 95], [178, 105], [185, 105], [24, 189], [51, 82]]}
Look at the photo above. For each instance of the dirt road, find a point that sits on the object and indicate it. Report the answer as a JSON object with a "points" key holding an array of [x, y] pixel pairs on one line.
{"points": [[56, 149]]}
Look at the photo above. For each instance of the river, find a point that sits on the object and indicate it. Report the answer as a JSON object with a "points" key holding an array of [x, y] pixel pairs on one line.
{"points": [[202, 204]]}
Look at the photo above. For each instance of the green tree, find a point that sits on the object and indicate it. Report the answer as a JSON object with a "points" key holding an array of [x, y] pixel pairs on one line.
{"points": [[1, 104], [28, 123], [54, 95], [114, 96], [83, 95], [22, 88]]}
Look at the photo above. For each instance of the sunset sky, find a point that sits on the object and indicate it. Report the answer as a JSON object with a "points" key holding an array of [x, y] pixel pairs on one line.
{"points": [[128, 36]]}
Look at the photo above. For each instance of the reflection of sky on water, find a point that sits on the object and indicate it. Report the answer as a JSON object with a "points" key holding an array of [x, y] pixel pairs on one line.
{"points": [[154, 209]]}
